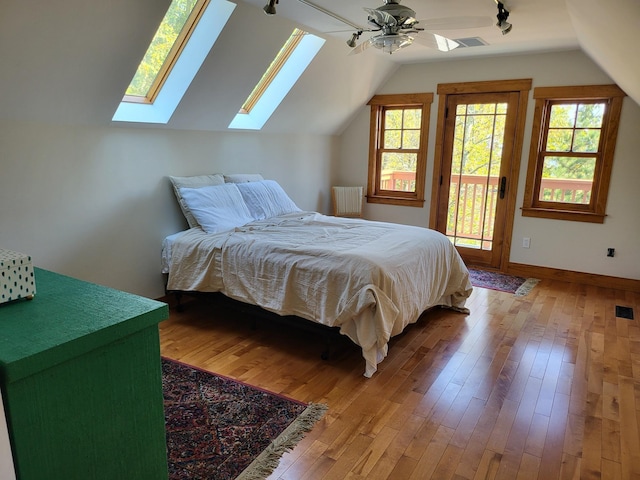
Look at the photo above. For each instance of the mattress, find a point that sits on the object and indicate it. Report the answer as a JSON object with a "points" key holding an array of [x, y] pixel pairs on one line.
{"points": [[370, 279]]}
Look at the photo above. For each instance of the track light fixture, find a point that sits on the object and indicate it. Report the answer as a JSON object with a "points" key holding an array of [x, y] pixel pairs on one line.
{"points": [[502, 16], [270, 8], [355, 36]]}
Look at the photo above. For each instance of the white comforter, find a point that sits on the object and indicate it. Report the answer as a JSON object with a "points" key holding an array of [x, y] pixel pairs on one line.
{"points": [[371, 279]]}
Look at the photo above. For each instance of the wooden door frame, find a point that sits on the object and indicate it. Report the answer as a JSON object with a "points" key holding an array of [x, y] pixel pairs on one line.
{"points": [[486, 258], [520, 86]]}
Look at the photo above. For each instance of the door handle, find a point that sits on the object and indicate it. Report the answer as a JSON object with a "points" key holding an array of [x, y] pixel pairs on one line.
{"points": [[503, 186]]}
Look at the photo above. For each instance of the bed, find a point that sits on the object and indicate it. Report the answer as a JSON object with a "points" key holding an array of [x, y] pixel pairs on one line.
{"points": [[368, 279]]}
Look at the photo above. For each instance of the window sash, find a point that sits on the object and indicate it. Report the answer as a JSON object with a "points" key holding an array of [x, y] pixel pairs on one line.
{"points": [[172, 57], [380, 105], [276, 65], [546, 97]]}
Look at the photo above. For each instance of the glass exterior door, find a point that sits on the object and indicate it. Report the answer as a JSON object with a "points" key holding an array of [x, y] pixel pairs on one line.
{"points": [[477, 153]]}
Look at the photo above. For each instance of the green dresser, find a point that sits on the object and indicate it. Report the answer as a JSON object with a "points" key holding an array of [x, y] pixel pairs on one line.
{"points": [[81, 382]]}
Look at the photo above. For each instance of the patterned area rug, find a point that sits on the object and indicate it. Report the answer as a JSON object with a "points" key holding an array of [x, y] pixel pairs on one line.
{"points": [[519, 286], [219, 428]]}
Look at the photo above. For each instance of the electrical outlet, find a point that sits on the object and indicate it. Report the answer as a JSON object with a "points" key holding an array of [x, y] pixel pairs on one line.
{"points": [[526, 242], [611, 252]]}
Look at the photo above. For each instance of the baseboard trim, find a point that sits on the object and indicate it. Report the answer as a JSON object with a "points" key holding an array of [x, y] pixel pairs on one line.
{"points": [[618, 283]]}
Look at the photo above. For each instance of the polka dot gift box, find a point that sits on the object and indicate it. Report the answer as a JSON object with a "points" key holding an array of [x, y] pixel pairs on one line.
{"points": [[16, 276]]}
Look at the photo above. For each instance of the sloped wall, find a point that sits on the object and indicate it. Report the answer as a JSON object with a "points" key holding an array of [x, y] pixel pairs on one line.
{"points": [[608, 33]]}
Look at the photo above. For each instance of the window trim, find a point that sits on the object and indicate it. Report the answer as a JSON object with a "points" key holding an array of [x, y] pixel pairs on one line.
{"points": [[278, 63], [595, 211], [378, 105], [172, 57], [274, 85]]}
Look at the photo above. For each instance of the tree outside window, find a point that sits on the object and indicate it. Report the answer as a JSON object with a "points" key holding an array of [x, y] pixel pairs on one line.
{"points": [[398, 146], [177, 25], [571, 155]]}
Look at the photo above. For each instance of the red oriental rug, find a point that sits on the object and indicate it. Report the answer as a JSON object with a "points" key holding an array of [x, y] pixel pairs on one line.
{"points": [[519, 286], [219, 428]]}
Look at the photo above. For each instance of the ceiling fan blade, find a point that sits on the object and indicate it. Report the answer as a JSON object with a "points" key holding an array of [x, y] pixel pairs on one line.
{"points": [[381, 18], [434, 40], [455, 23]]}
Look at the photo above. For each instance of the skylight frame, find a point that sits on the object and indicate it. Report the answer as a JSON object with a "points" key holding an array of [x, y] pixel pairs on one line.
{"points": [[281, 59], [172, 57], [278, 80]]}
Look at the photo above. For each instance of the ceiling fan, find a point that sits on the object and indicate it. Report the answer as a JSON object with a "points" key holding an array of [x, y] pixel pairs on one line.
{"points": [[399, 27]]}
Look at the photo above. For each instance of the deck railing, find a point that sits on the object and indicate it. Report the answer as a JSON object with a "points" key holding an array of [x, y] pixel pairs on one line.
{"points": [[566, 190], [398, 181], [477, 196]]}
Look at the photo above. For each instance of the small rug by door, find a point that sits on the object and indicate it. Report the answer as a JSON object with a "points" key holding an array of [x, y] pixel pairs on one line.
{"points": [[219, 428], [519, 286]]}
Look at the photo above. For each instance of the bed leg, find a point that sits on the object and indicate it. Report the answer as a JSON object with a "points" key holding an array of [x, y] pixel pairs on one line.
{"points": [[326, 354], [179, 306]]}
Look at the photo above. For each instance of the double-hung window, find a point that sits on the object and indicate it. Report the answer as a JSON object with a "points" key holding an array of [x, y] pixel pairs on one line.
{"points": [[398, 148], [572, 146]]}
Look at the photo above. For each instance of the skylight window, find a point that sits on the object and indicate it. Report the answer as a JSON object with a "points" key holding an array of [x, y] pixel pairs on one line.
{"points": [[292, 60], [165, 48], [173, 59], [277, 64]]}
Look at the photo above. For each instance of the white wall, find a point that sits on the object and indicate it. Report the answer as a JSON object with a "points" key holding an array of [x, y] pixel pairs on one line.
{"points": [[605, 33], [95, 203], [554, 243]]}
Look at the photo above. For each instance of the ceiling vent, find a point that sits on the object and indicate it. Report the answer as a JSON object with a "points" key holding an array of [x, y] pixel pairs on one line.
{"points": [[470, 42]]}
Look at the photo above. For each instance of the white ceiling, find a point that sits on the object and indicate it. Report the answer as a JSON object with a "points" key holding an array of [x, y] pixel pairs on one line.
{"points": [[607, 32], [540, 25], [69, 62]]}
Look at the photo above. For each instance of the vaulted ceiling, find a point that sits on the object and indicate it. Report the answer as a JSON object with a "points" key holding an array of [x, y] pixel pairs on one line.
{"points": [[537, 25], [69, 62]]}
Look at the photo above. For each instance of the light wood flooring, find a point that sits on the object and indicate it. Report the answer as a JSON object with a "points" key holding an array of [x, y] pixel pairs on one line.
{"points": [[544, 386]]}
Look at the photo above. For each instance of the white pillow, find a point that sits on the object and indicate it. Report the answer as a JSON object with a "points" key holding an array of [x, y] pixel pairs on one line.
{"points": [[196, 181], [266, 199], [217, 208], [243, 177]]}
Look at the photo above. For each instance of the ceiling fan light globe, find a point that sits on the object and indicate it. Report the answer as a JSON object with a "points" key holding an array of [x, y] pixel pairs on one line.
{"points": [[391, 43]]}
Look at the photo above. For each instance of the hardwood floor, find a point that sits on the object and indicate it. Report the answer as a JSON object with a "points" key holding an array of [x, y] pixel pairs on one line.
{"points": [[544, 386]]}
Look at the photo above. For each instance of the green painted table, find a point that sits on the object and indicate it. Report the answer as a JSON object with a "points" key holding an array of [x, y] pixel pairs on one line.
{"points": [[81, 381]]}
